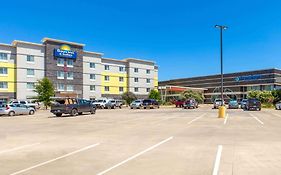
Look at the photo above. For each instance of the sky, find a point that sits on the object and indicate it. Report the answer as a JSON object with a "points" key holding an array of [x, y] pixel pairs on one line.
{"points": [[178, 35]]}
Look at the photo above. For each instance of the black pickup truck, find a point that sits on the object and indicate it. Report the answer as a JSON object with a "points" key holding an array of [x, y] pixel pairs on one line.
{"points": [[72, 106]]}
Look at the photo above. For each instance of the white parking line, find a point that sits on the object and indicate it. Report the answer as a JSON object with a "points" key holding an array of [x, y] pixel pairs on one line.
{"points": [[217, 161], [135, 156], [276, 115], [257, 119], [58, 158], [225, 120], [18, 148], [197, 118]]}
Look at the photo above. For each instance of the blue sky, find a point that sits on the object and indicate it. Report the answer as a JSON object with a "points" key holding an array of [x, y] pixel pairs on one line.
{"points": [[178, 35]]}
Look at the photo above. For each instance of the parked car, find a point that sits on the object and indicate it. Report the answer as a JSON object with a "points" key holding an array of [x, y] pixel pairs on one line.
{"points": [[254, 104], [119, 103], [72, 106], [190, 103], [243, 103], [137, 104], [233, 104], [278, 105], [26, 102], [110, 104], [179, 103], [100, 103], [16, 109], [150, 104], [218, 102]]}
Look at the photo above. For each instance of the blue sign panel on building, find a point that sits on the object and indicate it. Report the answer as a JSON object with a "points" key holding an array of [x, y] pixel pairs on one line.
{"points": [[65, 52], [248, 78]]}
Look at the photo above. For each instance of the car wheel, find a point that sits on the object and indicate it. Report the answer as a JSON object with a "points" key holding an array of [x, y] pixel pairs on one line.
{"points": [[73, 112], [58, 114], [11, 113], [80, 113], [31, 112], [131, 107]]}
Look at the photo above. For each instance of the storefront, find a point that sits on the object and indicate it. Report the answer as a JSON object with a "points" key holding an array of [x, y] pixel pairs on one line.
{"points": [[236, 85]]}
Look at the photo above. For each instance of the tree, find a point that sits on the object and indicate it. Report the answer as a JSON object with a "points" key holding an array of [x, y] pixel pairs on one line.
{"points": [[263, 96], [253, 94], [129, 97], [189, 94], [154, 94], [277, 95], [45, 91]]}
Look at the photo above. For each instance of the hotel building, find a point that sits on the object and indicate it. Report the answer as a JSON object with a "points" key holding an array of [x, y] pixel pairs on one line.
{"points": [[73, 71]]}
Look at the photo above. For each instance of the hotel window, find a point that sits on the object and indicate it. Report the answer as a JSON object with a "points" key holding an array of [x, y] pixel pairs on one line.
{"points": [[3, 85], [136, 80], [121, 79], [3, 71], [30, 85], [3, 57], [92, 76], [30, 72], [92, 65], [147, 71], [69, 63], [136, 89], [147, 80], [106, 67], [60, 75], [121, 69], [147, 89], [106, 88], [106, 78], [92, 88], [60, 62], [136, 70], [29, 58], [121, 89], [69, 88], [60, 87], [69, 75]]}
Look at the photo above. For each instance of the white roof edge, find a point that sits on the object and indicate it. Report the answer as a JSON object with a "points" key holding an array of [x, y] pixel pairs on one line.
{"points": [[14, 43], [184, 87], [4, 44], [112, 59], [97, 53], [61, 41], [136, 59]]}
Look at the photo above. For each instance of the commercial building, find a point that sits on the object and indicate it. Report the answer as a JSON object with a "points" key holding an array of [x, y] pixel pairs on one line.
{"points": [[236, 85], [73, 71]]}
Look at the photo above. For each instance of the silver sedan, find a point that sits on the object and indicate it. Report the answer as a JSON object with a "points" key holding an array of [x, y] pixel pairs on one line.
{"points": [[16, 109]]}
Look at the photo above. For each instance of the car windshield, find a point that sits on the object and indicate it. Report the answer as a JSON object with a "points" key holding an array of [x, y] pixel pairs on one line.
{"points": [[137, 101], [233, 102], [146, 101], [100, 101]]}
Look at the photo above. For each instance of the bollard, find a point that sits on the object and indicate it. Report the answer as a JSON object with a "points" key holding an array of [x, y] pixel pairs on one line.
{"points": [[222, 110]]}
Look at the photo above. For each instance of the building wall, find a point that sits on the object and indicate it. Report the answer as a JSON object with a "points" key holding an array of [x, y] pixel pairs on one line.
{"points": [[114, 74], [22, 51], [142, 76], [87, 59], [10, 78]]}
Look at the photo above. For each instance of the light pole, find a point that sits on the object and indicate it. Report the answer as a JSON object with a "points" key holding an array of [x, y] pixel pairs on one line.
{"points": [[221, 27]]}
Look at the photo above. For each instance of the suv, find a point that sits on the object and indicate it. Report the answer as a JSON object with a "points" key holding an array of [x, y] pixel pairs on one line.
{"points": [[100, 103], [217, 103], [137, 104], [72, 106], [26, 103], [190, 103], [150, 103], [179, 103], [110, 104], [253, 103]]}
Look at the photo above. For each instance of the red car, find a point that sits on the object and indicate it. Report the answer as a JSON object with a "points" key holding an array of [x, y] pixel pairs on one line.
{"points": [[179, 103]]}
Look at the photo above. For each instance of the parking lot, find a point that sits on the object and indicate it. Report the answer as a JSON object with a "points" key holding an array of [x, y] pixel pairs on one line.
{"points": [[166, 141]]}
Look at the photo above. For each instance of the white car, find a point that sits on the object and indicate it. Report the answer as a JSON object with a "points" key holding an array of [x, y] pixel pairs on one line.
{"points": [[27, 103], [278, 105], [101, 103]]}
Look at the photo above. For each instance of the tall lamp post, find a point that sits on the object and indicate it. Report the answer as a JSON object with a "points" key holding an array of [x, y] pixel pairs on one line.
{"points": [[222, 108]]}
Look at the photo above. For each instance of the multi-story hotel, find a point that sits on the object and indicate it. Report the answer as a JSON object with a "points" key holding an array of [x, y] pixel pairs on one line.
{"points": [[73, 71]]}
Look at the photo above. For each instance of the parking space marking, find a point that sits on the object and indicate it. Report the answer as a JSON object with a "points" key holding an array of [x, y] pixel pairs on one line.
{"points": [[18, 148], [257, 119], [276, 115], [197, 118], [55, 159], [135, 156], [217, 161], [225, 119]]}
